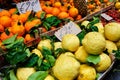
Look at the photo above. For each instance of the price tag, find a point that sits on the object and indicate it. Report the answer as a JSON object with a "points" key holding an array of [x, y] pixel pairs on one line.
{"points": [[69, 28], [28, 6], [107, 17]]}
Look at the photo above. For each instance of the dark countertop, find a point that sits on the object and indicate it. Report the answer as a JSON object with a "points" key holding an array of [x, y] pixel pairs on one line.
{"points": [[114, 74]]}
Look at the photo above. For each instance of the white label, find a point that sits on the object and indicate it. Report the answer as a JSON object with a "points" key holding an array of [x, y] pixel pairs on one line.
{"points": [[29, 6], [69, 28], [107, 17]]}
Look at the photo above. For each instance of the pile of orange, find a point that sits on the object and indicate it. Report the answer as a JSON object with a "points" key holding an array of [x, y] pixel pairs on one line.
{"points": [[12, 23], [64, 9]]}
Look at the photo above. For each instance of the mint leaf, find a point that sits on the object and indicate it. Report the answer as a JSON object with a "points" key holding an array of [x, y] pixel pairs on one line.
{"points": [[10, 40], [93, 59], [46, 51], [12, 75], [50, 59], [39, 75]]}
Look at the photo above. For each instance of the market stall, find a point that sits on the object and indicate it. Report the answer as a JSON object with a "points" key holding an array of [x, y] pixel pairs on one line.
{"points": [[59, 39]]}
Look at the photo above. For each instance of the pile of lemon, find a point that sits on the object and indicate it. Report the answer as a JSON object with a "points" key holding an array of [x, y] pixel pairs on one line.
{"points": [[73, 65]]}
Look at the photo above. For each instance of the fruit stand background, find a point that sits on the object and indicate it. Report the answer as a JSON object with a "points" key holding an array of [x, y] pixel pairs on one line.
{"points": [[109, 76]]}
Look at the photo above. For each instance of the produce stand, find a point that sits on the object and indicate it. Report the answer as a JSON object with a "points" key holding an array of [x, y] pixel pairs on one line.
{"points": [[40, 35]]}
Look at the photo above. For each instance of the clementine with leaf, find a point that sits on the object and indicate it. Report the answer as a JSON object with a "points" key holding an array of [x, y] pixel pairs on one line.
{"points": [[39, 14], [5, 36], [48, 9], [63, 9], [28, 38], [18, 28], [29, 25], [23, 17], [12, 10]]}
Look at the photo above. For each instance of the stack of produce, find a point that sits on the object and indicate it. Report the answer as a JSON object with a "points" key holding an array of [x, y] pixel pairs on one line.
{"points": [[97, 5], [76, 57]]}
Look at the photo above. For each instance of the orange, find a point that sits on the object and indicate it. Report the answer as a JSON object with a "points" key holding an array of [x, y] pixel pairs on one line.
{"points": [[105, 1], [78, 17], [62, 15], [98, 3], [12, 10], [55, 11], [28, 38], [5, 36], [29, 25], [57, 4], [71, 18], [48, 3], [48, 9], [5, 13], [23, 17], [53, 28], [1, 28], [39, 13], [44, 30], [18, 28], [73, 12], [90, 6], [15, 17], [43, 7], [5, 21], [63, 8]]}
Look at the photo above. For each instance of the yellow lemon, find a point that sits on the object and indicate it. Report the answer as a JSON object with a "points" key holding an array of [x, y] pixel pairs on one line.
{"points": [[112, 31], [104, 63], [24, 73], [70, 42], [66, 67], [81, 54], [94, 43], [86, 72]]}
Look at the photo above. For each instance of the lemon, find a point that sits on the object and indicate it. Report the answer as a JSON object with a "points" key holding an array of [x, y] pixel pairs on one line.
{"points": [[57, 45], [70, 42], [94, 43], [45, 43], [36, 51], [85, 23], [69, 54], [86, 72], [66, 67], [104, 63], [49, 77], [112, 31], [100, 28], [81, 54], [110, 46], [117, 5], [118, 44], [24, 73]]}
